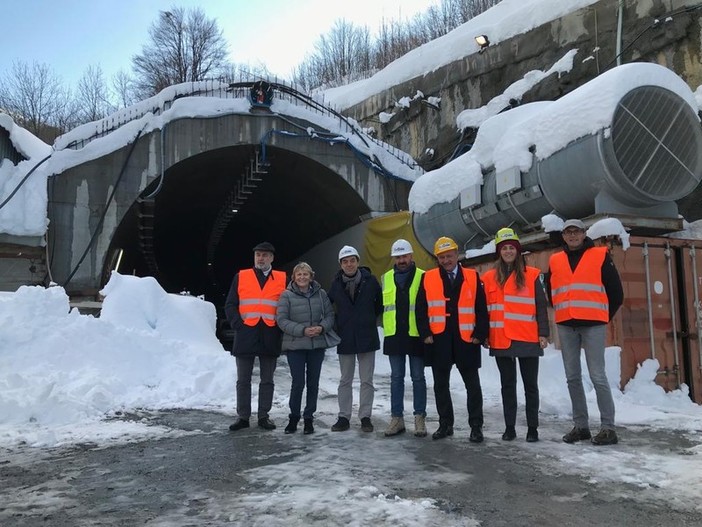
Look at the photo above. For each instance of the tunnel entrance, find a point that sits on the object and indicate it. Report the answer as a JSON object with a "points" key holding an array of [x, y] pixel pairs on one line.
{"points": [[296, 204]]}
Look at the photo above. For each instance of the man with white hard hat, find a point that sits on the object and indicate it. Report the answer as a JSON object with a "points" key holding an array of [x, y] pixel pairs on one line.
{"points": [[400, 287], [356, 296]]}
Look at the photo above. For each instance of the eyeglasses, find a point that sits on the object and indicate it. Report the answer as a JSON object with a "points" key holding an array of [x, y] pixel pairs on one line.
{"points": [[573, 232]]}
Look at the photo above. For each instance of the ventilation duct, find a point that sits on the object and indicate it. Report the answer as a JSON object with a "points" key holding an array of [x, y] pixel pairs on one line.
{"points": [[650, 156]]}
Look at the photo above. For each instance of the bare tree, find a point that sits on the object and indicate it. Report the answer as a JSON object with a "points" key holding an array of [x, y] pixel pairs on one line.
{"points": [[36, 99], [346, 53], [183, 46], [93, 95], [123, 89]]}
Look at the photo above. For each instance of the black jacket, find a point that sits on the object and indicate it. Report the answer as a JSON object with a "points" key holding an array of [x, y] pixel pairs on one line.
{"points": [[448, 347], [610, 280], [356, 320], [260, 339]]}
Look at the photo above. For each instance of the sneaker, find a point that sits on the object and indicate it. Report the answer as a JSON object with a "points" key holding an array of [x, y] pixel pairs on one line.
{"points": [[476, 434], [510, 434], [341, 425], [292, 425], [309, 426], [577, 434], [366, 425], [266, 423], [532, 435], [605, 437], [239, 424], [420, 426], [397, 426]]}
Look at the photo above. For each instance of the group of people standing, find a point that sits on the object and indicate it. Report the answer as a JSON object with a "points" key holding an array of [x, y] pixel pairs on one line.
{"points": [[436, 318]]}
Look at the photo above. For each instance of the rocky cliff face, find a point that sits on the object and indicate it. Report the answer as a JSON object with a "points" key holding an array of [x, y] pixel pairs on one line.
{"points": [[429, 131]]}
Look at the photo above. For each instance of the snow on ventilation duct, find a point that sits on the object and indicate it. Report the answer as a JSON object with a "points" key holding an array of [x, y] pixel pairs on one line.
{"points": [[628, 142]]}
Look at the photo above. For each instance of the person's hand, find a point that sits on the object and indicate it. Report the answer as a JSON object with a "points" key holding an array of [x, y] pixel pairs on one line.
{"points": [[313, 331], [543, 342], [429, 340], [475, 341]]}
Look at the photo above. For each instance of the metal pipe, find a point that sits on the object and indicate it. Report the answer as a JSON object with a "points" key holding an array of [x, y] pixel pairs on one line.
{"points": [[649, 302], [695, 289], [674, 319], [620, 17]]}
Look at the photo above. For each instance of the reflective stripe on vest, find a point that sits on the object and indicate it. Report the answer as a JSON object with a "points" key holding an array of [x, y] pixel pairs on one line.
{"points": [[579, 295], [512, 311], [436, 302], [389, 306], [259, 304]]}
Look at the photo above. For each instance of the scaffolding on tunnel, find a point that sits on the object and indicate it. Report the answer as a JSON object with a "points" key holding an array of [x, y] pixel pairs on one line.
{"points": [[237, 198]]}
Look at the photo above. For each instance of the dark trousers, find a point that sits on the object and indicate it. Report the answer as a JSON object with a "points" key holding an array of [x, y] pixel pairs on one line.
{"points": [[442, 394], [244, 371], [299, 361], [529, 368]]}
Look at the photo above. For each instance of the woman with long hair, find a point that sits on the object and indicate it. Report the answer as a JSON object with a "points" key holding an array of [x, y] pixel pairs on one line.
{"points": [[518, 329]]}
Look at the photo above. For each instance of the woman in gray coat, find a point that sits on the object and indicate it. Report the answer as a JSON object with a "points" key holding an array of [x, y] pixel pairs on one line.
{"points": [[306, 318]]}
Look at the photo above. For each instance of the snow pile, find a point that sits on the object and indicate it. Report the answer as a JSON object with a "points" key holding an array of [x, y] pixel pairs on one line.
{"points": [[149, 349]]}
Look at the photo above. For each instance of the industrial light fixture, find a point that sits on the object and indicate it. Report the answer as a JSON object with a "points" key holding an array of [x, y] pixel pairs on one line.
{"points": [[483, 42]]}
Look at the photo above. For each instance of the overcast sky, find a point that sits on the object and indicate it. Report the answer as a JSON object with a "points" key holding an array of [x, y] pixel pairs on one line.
{"points": [[72, 34]]}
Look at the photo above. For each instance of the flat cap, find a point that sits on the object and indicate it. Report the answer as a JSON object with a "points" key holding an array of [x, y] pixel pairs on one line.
{"points": [[265, 246]]}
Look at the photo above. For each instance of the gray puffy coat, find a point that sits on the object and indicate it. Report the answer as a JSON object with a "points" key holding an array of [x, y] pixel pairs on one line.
{"points": [[297, 311]]}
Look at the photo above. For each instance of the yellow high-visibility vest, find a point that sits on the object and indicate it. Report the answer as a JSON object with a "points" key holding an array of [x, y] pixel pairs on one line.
{"points": [[390, 307]]}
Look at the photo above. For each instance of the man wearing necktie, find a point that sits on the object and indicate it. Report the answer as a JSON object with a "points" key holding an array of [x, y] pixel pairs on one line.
{"points": [[452, 320]]}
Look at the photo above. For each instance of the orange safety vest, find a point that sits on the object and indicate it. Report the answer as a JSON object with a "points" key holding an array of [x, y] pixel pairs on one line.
{"points": [[512, 310], [436, 302], [256, 303], [579, 295]]}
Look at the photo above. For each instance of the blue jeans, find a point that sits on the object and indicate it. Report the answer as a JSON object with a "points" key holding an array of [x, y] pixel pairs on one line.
{"points": [[299, 361], [397, 384], [592, 341]]}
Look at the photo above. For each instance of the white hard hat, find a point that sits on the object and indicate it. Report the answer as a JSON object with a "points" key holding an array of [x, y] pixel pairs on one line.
{"points": [[347, 250], [401, 247]]}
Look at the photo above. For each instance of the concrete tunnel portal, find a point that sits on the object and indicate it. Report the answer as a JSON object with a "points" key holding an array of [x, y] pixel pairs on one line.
{"points": [[297, 204]]}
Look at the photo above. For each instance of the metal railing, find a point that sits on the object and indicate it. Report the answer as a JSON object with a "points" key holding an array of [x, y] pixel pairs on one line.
{"points": [[226, 89]]}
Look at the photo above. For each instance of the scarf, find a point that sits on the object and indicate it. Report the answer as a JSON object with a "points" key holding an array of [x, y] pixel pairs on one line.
{"points": [[351, 283]]}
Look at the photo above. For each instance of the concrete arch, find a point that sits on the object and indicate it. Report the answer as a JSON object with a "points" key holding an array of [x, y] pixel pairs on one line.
{"points": [[310, 190]]}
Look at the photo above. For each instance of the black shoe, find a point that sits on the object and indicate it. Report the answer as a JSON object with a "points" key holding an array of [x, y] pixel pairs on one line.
{"points": [[443, 431], [309, 427], [342, 424], [266, 424], [366, 425], [605, 437], [292, 425], [532, 435], [476, 434], [510, 434], [577, 434], [239, 424]]}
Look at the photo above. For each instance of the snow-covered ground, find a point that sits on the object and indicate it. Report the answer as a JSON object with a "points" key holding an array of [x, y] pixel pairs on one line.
{"points": [[63, 376]]}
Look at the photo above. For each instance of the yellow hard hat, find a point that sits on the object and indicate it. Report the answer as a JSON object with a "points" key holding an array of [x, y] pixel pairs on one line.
{"points": [[507, 235], [444, 244]]}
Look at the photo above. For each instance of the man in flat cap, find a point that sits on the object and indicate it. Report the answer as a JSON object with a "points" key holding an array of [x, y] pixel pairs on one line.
{"points": [[586, 292], [250, 309]]}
